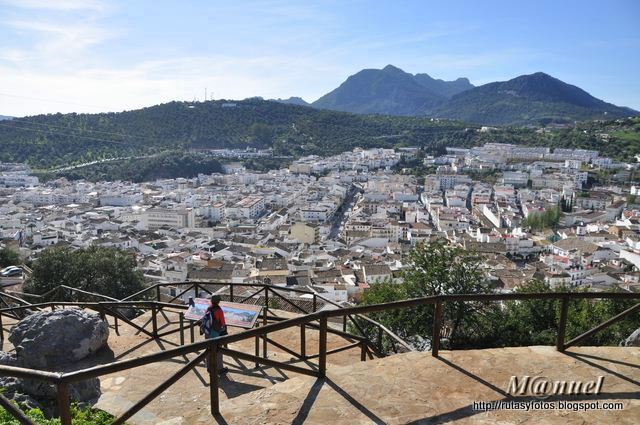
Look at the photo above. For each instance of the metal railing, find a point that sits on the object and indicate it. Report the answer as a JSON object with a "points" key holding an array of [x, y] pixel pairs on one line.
{"points": [[317, 320], [261, 296]]}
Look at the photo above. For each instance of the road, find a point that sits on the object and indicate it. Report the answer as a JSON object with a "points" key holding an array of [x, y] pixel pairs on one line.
{"points": [[102, 161], [343, 212]]}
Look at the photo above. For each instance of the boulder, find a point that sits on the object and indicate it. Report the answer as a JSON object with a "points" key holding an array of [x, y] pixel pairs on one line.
{"points": [[53, 340], [8, 383], [26, 402], [86, 390], [7, 359], [633, 340]]}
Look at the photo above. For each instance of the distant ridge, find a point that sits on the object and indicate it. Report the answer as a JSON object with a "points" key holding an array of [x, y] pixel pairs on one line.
{"points": [[5, 117], [528, 99], [390, 91], [294, 100]]}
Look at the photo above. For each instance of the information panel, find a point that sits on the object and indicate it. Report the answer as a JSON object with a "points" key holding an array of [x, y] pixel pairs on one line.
{"points": [[235, 314]]}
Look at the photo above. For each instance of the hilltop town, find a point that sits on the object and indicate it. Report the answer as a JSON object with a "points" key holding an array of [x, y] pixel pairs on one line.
{"points": [[335, 225]]}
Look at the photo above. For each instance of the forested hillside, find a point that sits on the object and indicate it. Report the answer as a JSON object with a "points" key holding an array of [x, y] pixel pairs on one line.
{"points": [[166, 165], [528, 99], [47, 141], [50, 141]]}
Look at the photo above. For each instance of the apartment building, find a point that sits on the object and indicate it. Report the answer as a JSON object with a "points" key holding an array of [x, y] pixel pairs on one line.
{"points": [[155, 218], [250, 207]]}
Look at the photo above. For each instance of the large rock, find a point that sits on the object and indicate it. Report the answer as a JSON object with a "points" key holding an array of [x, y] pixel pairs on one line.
{"points": [[7, 359], [52, 340], [86, 390], [633, 340], [55, 341], [8, 383]]}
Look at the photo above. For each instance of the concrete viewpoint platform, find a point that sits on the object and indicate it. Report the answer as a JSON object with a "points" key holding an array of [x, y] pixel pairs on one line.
{"points": [[410, 388], [416, 388], [187, 400]]}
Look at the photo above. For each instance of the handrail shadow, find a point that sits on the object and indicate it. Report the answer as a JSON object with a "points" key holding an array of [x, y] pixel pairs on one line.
{"points": [[312, 396], [591, 356], [602, 368]]}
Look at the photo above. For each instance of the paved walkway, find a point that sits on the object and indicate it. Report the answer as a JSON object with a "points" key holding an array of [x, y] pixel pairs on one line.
{"points": [[187, 401], [407, 388], [416, 388]]}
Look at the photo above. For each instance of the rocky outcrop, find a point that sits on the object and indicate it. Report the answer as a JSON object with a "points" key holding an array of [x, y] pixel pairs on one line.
{"points": [[55, 341], [633, 340], [7, 359], [80, 391], [51, 340]]}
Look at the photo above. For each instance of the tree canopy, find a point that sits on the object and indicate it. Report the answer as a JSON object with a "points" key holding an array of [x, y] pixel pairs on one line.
{"points": [[538, 221], [8, 257], [107, 271], [166, 165], [440, 269], [433, 269]]}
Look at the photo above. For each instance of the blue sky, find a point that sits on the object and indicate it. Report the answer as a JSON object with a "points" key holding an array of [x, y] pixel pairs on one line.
{"points": [[98, 55]]}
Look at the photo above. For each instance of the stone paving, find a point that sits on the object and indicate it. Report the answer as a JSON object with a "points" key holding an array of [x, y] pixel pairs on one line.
{"points": [[187, 401], [406, 388], [416, 388]]}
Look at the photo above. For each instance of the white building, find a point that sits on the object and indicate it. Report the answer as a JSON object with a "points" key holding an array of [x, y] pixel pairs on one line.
{"points": [[155, 218], [250, 207]]}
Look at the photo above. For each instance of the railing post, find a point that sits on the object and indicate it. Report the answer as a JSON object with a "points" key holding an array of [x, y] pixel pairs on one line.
{"points": [[266, 301], [322, 347], [1, 329], [157, 293], [344, 323], [196, 290], [213, 379], [115, 323], [64, 408], [265, 321], [181, 316], [154, 321], [562, 326], [257, 350], [363, 351], [192, 331], [314, 303], [435, 336], [303, 341], [231, 292]]}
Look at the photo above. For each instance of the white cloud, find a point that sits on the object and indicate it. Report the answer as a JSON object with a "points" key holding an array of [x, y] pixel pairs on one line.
{"points": [[54, 37], [152, 82], [61, 5]]}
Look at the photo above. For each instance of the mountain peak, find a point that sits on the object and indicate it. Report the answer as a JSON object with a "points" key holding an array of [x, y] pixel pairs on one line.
{"points": [[293, 100], [537, 76], [391, 91], [528, 99], [391, 68]]}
